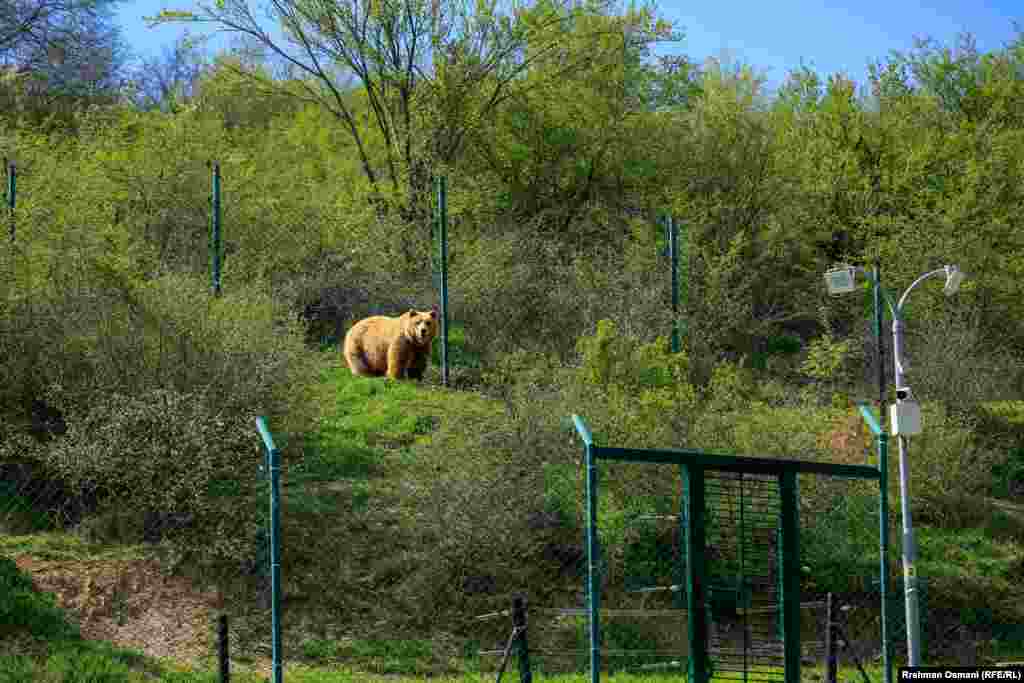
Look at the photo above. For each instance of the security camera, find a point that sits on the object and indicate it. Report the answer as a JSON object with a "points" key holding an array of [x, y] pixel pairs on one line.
{"points": [[903, 393]]}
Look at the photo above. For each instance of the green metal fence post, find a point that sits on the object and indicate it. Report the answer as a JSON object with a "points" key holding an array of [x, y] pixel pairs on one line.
{"points": [[682, 560], [519, 620], [790, 597], [883, 541], [593, 571], [442, 225], [223, 660], [831, 658], [215, 242], [693, 494], [673, 251], [274, 470], [11, 186]]}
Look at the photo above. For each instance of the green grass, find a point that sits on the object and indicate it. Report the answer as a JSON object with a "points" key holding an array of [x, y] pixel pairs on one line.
{"points": [[65, 546], [38, 642], [971, 556], [368, 419], [978, 573]]}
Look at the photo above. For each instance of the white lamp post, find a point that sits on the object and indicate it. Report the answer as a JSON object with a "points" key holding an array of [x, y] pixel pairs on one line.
{"points": [[905, 420]]}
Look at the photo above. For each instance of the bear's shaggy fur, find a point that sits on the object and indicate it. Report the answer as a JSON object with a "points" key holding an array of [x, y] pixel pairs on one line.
{"points": [[396, 347]]}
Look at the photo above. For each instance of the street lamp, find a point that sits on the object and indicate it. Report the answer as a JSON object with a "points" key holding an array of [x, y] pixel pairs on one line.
{"points": [[905, 420]]}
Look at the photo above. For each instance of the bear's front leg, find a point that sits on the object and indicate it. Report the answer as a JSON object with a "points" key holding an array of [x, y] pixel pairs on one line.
{"points": [[395, 360], [417, 367]]}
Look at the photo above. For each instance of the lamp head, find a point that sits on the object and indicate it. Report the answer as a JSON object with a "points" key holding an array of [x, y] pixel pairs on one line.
{"points": [[841, 279], [953, 279]]}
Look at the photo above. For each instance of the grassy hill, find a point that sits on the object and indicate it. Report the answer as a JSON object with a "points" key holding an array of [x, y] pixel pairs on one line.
{"points": [[410, 510]]}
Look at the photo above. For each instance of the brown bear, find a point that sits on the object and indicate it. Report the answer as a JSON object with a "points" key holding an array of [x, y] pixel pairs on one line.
{"points": [[396, 347]]}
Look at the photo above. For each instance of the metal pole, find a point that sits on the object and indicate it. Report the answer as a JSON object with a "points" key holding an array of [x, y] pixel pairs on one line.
{"points": [[696, 600], [442, 203], [11, 186], [883, 532], [831, 663], [274, 470], [275, 561], [519, 625], [222, 649], [883, 481], [593, 578], [909, 544], [790, 594], [216, 228], [877, 291], [673, 251]]}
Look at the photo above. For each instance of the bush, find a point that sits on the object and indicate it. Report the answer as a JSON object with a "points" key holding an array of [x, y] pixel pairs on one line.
{"points": [[1001, 425], [156, 385], [169, 461], [949, 463], [519, 290]]}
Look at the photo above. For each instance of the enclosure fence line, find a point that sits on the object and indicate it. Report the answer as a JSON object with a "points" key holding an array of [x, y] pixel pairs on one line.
{"points": [[835, 637], [439, 230]]}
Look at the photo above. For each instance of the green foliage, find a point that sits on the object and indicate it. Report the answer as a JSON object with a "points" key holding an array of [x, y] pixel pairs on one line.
{"points": [[379, 656], [825, 358], [26, 611], [557, 162], [560, 492], [731, 387], [784, 344], [841, 546], [163, 456], [131, 331], [609, 358]]}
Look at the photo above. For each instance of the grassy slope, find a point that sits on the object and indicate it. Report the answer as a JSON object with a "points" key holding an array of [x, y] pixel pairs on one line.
{"points": [[350, 537]]}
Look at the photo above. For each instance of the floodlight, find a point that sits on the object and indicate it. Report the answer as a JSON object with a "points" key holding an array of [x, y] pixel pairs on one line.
{"points": [[841, 279], [953, 279]]}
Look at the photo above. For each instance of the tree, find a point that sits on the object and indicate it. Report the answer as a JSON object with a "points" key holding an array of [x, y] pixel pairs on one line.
{"points": [[172, 79], [60, 54], [567, 141], [425, 74]]}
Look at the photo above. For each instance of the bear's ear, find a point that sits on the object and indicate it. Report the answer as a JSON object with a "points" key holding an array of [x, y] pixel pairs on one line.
{"points": [[411, 313], [433, 312]]}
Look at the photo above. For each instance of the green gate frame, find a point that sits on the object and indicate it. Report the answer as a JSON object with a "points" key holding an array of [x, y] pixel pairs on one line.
{"points": [[694, 464]]}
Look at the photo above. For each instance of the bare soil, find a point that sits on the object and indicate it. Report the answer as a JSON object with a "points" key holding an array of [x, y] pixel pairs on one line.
{"points": [[132, 604]]}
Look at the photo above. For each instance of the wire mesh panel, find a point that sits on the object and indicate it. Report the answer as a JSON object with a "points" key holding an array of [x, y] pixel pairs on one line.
{"points": [[742, 522]]}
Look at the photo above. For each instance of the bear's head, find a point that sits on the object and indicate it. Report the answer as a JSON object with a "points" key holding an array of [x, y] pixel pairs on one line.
{"points": [[420, 326]]}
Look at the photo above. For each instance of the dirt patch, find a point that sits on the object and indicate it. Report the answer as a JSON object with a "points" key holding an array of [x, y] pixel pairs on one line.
{"points": [[132, 604]]}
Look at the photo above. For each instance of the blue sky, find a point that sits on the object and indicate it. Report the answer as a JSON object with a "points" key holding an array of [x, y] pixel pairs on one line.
{"points": [[828, 35]]}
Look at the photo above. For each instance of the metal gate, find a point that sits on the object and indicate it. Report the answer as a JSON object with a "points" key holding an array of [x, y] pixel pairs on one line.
{"points": [[740, 558], [742, 516]]}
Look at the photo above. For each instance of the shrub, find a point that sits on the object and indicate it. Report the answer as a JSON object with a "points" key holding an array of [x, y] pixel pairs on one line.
{"points": [[949, 463], [518, 289], [170, 461], [156, 384]]}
